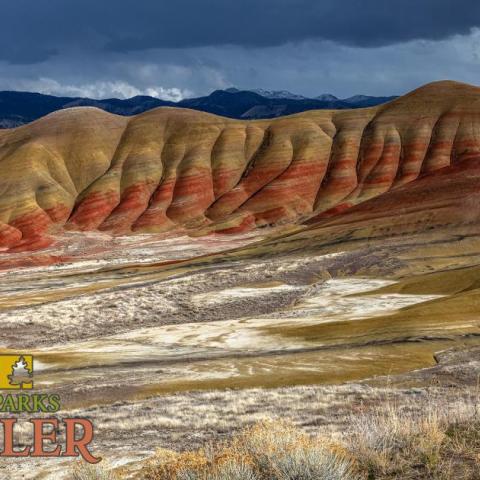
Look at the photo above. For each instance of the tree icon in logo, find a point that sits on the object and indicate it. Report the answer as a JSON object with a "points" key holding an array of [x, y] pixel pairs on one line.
{"points": [[21, 374]]}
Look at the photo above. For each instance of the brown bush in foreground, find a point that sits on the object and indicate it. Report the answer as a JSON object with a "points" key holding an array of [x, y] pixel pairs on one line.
{"points": [[267, 451]]}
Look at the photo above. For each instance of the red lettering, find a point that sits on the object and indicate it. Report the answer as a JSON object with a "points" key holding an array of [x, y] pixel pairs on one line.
{"points": [[8, 450], [74, 446], [39, 435]]}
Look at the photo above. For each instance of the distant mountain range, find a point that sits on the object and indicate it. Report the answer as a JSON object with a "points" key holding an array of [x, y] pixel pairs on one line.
{"points": [[19, 108]]}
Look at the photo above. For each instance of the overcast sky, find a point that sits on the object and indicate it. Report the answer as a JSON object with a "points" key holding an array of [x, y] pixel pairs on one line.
{"points": [[180, 48]]}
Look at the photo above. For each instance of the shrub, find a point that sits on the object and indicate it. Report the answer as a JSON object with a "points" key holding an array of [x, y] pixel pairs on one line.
{"points": [[266, 451], [282, 452]]}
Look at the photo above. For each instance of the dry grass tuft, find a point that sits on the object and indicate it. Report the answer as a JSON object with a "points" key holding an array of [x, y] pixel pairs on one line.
{"points": [[85, 471], [267, 451], [439, 443]]}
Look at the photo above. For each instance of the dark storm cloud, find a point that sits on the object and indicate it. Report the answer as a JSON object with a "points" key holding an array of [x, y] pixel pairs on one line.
{"points": [[34, 30]]}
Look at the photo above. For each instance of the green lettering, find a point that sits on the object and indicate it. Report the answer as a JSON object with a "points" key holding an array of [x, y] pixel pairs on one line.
{"points": [[24, 403], [38, 405], [54, 403], [9, 404]]}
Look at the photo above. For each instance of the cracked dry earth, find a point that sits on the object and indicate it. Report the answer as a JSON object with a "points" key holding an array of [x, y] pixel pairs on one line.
{"points": [[175, 355]]}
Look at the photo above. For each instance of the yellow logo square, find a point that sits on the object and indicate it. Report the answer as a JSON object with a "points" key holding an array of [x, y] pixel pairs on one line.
{"points": [[16, 372]]}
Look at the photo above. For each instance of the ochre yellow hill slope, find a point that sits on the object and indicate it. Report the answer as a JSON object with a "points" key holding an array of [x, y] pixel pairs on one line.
{"points": [[170, 169]]}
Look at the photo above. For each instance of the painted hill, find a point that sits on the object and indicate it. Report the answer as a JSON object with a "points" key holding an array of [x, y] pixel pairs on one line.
{"points": [[173, 169], [19, 108]]}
